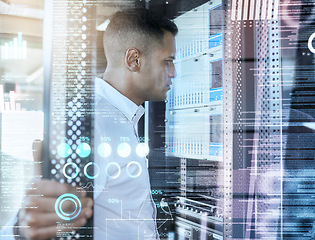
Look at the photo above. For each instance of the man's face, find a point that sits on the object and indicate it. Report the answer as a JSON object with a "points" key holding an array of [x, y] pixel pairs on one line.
{"points": [[158, 70]]}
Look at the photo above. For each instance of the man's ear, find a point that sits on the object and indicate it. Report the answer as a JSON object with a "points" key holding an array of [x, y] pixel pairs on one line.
{"points": [[132, 59]]}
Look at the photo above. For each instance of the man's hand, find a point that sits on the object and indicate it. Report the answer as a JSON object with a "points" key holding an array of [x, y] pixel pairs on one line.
{"points": [[38, 214]]}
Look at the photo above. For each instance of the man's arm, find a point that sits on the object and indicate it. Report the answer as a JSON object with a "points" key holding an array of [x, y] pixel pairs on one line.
{"points": [[37, 218]]}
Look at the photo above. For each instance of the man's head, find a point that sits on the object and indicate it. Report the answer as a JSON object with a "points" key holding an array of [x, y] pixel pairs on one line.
{"points": [[142, 43]]}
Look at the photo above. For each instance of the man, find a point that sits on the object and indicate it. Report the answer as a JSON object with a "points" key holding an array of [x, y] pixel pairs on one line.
{"points": [[140, 48]]}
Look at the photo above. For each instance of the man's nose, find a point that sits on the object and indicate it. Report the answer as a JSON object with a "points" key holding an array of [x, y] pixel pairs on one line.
{"points": [[172, 71]]}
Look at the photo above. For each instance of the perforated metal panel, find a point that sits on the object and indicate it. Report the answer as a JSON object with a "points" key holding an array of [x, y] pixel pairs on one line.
{"points": [[268, 128], [231, 41], [252, 118]]}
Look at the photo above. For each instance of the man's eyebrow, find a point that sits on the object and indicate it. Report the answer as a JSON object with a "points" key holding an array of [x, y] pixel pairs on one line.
{"points": [[172, 57]]}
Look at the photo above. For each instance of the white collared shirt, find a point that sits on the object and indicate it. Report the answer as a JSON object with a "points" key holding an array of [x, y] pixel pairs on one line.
{"points": [[123, 206]]}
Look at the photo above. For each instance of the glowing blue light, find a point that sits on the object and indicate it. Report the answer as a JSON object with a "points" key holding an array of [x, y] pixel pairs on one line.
{"points": [[64, 150], [95, 167], [68, 197], [83, 150], [124, 149], [74, 175]]}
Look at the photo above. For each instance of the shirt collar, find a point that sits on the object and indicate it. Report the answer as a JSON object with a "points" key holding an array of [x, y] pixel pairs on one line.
{"points": [[132, 111]]}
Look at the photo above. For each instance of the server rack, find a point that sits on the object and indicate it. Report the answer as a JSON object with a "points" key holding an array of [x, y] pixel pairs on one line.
{"points": [[223, 122], [194, 122], [188, 148]]}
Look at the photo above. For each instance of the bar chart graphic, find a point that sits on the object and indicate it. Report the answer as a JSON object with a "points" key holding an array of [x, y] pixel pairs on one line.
{"points": [[15, 49], [10, 105]]}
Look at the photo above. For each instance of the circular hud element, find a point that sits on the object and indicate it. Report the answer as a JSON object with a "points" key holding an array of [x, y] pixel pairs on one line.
{"points": [[142, 149], [124, 149], [104, 149], [83, 150], [310, 43], [134, 169], [74, 174], [64, 150], [74, 200], [113, 170], [96, 168]]}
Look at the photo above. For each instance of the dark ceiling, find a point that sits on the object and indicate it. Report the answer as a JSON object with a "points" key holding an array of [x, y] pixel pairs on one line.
{"points": [[170, 8]]}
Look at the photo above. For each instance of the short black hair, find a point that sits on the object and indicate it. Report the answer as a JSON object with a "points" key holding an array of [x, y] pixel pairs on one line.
{"points": [[136, 27], [142, 20]]}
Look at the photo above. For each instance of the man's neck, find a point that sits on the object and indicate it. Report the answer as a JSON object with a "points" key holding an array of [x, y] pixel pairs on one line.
{"points": [[119, 81]]}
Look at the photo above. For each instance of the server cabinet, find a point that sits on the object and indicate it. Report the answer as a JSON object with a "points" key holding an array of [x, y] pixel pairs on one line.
{"points": [[226, 120], [193, 122]]}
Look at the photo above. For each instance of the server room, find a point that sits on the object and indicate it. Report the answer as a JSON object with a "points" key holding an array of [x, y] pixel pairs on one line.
{"points": [[227, 153]]}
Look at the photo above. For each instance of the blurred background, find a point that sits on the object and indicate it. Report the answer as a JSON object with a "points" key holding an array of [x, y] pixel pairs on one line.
{"points": [[232, 147], [21, 97]]}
